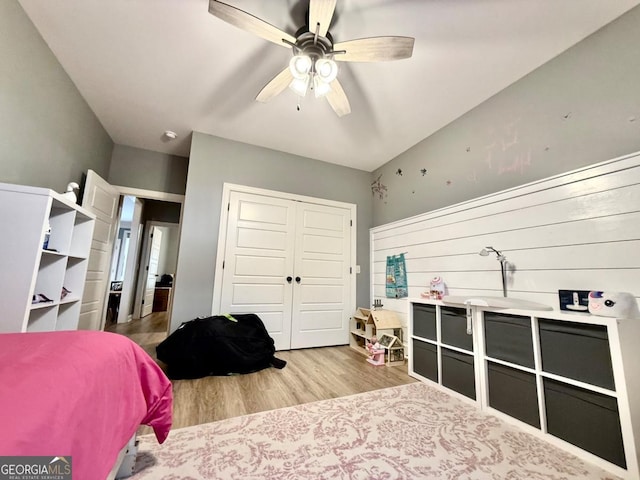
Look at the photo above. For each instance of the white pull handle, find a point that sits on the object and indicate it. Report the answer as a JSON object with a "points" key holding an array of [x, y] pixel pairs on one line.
{"points": [[469, 318]]}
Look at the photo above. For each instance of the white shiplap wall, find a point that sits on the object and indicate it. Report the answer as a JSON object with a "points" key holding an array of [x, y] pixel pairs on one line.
{"points": [[579, 230]]}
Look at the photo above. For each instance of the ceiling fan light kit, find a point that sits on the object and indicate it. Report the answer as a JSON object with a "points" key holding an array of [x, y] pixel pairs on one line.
{"points": [[323, 71], [300, 85], [314, 54], [320, 87], [300, 66], [326, 69]]}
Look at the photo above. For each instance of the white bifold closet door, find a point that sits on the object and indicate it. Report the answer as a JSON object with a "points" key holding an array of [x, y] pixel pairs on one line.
{"points": [[289, 262]]}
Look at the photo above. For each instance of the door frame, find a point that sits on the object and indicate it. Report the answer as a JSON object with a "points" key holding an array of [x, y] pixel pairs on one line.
{"points": [[137, 309], [227, 188], [151, 195]]}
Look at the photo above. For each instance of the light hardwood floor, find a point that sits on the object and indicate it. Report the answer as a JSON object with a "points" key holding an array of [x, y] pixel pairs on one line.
{"points": [[310, 375]]}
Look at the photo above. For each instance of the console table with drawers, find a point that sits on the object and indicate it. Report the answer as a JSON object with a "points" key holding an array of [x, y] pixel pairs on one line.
{"points": [[571, 378]]}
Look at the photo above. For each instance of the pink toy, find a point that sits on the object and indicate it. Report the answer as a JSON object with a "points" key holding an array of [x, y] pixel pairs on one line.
{"points": [[376, 354], [437, 289]]}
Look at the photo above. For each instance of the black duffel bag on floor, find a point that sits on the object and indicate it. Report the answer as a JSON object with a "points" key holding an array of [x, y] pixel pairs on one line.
{"points": [[218, 345]]}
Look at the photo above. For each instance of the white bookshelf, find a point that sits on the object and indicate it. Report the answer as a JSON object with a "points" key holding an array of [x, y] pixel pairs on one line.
{"points": [[28, 270]]}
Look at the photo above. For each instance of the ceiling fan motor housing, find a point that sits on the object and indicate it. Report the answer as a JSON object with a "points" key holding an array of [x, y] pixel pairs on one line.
{"points": [[313, 55], [315, 47]]}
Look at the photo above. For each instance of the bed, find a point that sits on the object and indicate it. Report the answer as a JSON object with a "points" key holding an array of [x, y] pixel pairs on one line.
{"points": [[79, 394]]}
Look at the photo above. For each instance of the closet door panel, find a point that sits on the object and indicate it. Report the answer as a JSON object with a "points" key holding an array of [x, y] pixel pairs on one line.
{"points": [[258, 259], [258, 294], [320, 320], [323, 268], [262, 239], [322, 258], [248, 265]]}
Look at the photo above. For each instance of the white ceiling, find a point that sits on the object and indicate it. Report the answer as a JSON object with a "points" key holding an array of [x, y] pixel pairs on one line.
{"points": [[146, 66]]}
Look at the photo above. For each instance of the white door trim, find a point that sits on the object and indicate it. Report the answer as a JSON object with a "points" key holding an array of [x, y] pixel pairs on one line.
{"points": [[128, 289], [150, 194], [222, 234]]}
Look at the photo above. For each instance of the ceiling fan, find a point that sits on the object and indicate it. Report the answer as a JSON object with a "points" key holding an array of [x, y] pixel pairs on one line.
{"points": [[313, 65]]}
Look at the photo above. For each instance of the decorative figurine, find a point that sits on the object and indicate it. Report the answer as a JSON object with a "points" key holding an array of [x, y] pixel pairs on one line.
{"points": [[70, 193]]}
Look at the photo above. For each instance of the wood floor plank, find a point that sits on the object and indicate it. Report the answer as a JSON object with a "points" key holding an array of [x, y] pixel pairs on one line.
{"points": [[310, 375]]}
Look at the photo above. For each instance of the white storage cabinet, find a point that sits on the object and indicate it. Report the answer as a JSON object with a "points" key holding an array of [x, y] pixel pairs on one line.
{"points": [[571, 378], [28, 270]]}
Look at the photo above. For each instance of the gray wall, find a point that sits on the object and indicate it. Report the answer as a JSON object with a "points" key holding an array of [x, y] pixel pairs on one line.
{"points": [[581, 108], [50, 136], [214, 161], [138, 168]]}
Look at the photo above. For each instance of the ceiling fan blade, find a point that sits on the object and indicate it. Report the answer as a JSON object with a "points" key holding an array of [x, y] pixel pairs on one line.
{"points": [[321, 12], [275, 86], [375, 49], [246, 21], [338, 99]]}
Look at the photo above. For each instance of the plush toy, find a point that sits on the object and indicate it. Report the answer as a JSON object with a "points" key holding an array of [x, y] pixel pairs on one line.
{"points": [[613, 304]]}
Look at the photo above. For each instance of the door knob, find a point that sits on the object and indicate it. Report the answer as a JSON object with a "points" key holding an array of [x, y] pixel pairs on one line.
{"points": [[298, 279], [289, 279]]}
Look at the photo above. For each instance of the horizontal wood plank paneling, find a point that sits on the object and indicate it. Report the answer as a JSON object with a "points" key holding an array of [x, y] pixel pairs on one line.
{"points": [[545, 195], [596, 205], [579, 230], [523, 281], [609, 255], [625, 165]]}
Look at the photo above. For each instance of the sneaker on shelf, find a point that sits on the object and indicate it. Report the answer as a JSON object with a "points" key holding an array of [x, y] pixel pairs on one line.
{"points": [[64, 293], [40, 298]]}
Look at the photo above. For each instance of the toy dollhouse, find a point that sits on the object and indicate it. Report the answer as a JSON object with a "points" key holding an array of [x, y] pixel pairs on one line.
{"points": [[385, 327]]}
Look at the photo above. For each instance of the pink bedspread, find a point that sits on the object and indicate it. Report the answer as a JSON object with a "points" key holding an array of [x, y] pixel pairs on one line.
{"points": [[81, 394]]}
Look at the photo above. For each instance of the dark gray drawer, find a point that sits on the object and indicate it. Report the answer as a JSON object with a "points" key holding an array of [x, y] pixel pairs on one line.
{"points": [[514, 392], [458, 372], [577, 351], [424, 321], [586, 419], [453, 322], [425, 359], [509, 338]]}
